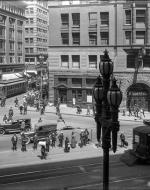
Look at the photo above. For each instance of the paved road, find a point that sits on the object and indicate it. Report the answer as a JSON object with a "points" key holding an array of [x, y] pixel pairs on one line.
{"points": [[82, 122], [81, 174]]}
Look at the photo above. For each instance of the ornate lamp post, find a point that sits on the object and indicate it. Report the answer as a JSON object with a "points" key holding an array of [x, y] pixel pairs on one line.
{"points": [[41, 60], [107, 102]]}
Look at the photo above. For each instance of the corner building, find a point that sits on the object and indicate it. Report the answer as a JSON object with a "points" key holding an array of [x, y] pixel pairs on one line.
{"points": [[80, 31], [12, 18]]}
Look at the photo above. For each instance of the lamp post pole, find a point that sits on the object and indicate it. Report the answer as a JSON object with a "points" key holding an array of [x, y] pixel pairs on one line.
{"points": [[41, 59], [107, 102]]}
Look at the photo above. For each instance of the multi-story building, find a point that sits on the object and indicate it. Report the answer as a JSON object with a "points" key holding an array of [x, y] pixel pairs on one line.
{"points": [[80, 31], [12, 17], [36, 33]]}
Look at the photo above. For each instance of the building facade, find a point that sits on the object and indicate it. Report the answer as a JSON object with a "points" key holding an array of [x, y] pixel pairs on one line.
{"points": [[36, 33], [12, 17], [80, 31]]}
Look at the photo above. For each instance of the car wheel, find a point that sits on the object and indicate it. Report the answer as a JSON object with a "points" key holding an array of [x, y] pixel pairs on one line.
{"points": [[2, 131]]}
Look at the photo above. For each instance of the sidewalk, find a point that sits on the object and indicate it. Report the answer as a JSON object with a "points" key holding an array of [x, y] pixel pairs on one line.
{"points": [[72, 111], [10, 159]]}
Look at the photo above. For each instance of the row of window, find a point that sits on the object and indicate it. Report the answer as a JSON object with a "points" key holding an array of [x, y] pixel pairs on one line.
{"points": [[30, 40], [11, 21], [33, 50], [88, 81], [140, 16], [131, 60], [42, 21], [31, 11], [140, 37], [11, 45], [31, 21], [104, 19], [41, 30], [75, 59], [11, 59], [104, 38]]}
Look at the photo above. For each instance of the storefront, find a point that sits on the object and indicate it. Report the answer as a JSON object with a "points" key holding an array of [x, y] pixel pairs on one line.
{"points": [[139, 95], [73, 91]]}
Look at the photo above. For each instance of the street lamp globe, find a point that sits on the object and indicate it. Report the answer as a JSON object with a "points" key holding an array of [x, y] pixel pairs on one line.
{"points": [[106, 65], [114, 95], [98, 90]]}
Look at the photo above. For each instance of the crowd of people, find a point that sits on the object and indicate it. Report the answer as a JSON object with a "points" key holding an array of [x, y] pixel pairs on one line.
{"points": [[50, 142], [135, 111]]}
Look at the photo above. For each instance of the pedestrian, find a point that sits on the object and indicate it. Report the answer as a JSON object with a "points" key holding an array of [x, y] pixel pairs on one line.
{"points": [[53, 137], [42, 110], [21, 109], [40, 120], [86, 136], [37, 106], [25, 109], [16, 102], [88, 110], [14, 141], [5, 119], [35, 142], [73, 141], [130, 112], [67, 146], [43, 152], [23, 125], [123, 113], [123, 141], [47, 144], [143, 112], [23, 143], [81, 138], [11, 112], [61, 138]]}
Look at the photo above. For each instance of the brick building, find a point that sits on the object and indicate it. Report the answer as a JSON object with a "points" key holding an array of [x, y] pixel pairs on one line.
{"points": [[79, 32]]}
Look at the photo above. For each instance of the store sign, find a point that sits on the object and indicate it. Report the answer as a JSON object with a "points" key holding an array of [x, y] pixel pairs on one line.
{"points": [[89, 98]]}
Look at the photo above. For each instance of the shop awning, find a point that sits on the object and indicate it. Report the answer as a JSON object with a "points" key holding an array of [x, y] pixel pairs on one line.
{"points": [[31, 71], [11, 76]]}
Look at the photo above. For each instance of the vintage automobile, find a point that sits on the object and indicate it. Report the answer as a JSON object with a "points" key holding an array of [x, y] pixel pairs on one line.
{"points": [[42, 130], [141, 142], [15, 125]]}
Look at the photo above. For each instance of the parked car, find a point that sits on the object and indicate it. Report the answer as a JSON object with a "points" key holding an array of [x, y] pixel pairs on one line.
{"points": [[15, 125], [146, 122]]}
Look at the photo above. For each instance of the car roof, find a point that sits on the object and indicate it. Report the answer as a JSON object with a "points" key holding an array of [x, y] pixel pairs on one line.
{"points": [[45, 124], [142, 129], [21, 117]]}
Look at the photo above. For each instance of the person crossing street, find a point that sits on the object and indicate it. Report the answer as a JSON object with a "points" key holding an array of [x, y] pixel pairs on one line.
{"points": [[14, 141]]}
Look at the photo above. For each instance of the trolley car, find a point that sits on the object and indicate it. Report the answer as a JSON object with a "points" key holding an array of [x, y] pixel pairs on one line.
{"points": [[12, 89], [141, 142]]}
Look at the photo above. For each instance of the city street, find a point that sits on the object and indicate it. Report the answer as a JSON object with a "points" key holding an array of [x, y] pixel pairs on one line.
{"points": [[74, 172], [76, 121]]}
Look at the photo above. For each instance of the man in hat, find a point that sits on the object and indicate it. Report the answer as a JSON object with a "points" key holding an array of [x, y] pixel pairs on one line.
{"points": [[14, 141], [61, 138]]}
